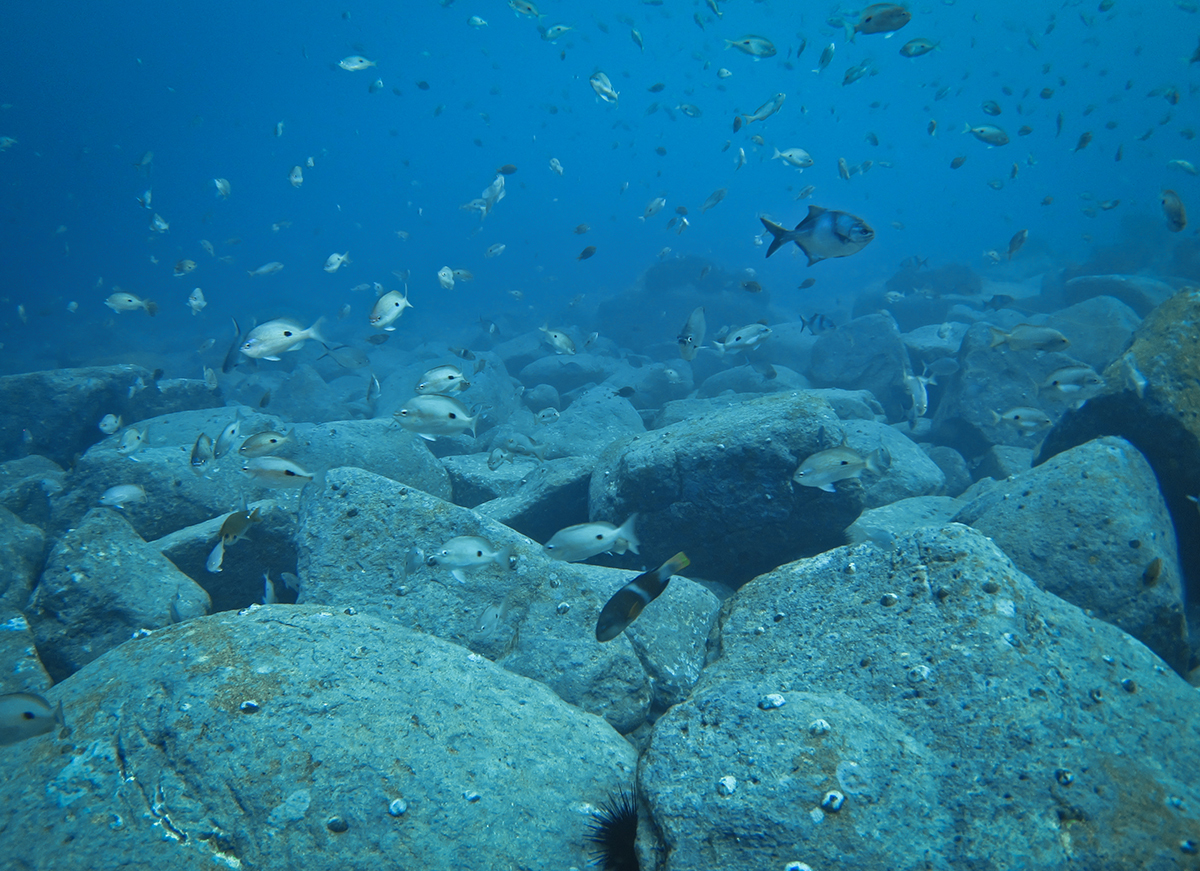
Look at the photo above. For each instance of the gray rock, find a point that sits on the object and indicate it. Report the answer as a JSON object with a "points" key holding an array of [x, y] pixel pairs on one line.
{"points": [[375, 446], [1099, 329], [671, 638], [27, 485], [548, 497], [1003, 461], [852, 404], [102, 583], [964, 716], [473, 483], [901, 517], [1138, 292], [589, 424], [867, 353], [356, 539], [752, 378], [719, 487], [569, 372], [67, 426], [933, 341], [23, 546], [293, 736], [21, 670], [541, 396], [953, 466], [1085, 525]]}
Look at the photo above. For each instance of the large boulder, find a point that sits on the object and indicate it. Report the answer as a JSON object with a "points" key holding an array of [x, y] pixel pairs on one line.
{"points": [[719, 486], [868, 353], [23, 546], [1090, 526], [289, 737], [101, 585], [924, 708]]}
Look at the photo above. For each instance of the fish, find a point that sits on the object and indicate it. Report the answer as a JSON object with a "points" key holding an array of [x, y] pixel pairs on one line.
{"points": [[653, 207], [27, 715], [231, 356], [237, 525], [586, 252], [202, 452], [957, 162], [267, 341], [491, 619], [133, 441], [1084, 139], [229, 435], [1028, 420], [797, 157], [740, 160], [266, 269], [430, 415], [751, 286], [755, 46], [222, 185], [215, 557], [335, 261], [585, 540], [745, 339], [854, 73], [388, 308], [183, 267], [123, 301], [627, 603], [495, 250], [1028, 337], [691, 337], [826, 468], [882, 18], [560, 341], [603, 87], [823, 233], [109, 424], [276, 472], [158, 224], [637, 38], [445, 277], [767, 109], [991, 107], [826, 58], [442, 379], [524, 7], [1072, 379], [547, 416], [356, 62], [1015, 243], [1185, 165], [713, 198], [470, 552], [988, 133], [122, 495], [264, 444], [196, 301], [1174, 211], [497, 458], [917, 47], [296, 176], [556, 166], [523, 446]]}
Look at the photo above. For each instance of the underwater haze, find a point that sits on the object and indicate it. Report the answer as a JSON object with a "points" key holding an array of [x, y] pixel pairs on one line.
{"points": [[91, 89]]}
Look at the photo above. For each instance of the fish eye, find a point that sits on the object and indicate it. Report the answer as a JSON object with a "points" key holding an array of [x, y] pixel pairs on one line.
{"points": [[453, 416], [287, 333], [478, 553], [599, 536]]}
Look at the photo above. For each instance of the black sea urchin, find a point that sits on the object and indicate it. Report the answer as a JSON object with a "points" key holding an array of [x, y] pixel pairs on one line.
{"points": [[613, 833]]}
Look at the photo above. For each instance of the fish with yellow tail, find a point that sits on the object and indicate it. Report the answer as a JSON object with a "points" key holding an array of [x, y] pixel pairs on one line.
{"points": [[628, 602], [824, 233]]}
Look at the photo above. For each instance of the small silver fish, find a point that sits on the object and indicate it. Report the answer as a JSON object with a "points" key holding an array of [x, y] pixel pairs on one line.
{"points": [[585, 540], [225, 440], [825, 468], [122, 495], [469, 552], [560, 341], [442, 379], [276, 472], [264, 444], [26, 715]]}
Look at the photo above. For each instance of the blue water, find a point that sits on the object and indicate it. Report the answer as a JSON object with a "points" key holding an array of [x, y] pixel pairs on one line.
{"points": [[90, 87]]}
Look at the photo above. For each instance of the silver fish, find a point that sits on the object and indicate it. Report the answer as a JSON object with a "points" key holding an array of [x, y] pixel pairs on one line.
{"points": [[823, 233], [691, 337], [825, 468], [469, 552], [585, 540], [434, 414]]}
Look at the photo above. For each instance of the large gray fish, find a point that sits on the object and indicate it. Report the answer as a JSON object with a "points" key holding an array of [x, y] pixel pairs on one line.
{"points": [[824, 233]]}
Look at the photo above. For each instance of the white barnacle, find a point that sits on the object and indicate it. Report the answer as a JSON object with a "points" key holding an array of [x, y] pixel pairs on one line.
{"points": [[726, 785], [819, 727], [772, 700]]}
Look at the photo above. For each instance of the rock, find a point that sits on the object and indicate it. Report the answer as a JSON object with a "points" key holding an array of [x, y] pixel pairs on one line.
{"points": [[953, 466], [254, 740], [1003, 461], [1138, 292], [935, 698], [542, 396], [23, 546], [472, 483], [1151, 400], [719, 487], [671, 640], [68, 425], [1085, 525], [550, 496], [589, 424], [570, 372], [932, 342], [355, 540], [376, 446], [102, 584], [867, 353], [20, 669], [753, 378], [1099, 329], [901, 517], [27, 485]]}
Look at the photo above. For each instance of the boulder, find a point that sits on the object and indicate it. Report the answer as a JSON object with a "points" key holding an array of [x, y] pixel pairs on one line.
{"points": [[1090, 526], [290, 737], [23, 546], [1099, 329], [21, 670], [953, 466], [27, 485], [102, 584], [570, 372], [867, 353], [925, 708], [1139, 292], [549, 496], [719, 487], [911, 472]]}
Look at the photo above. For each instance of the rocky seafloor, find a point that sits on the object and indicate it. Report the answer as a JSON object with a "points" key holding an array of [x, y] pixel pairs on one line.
{"points": [[995, 676]]}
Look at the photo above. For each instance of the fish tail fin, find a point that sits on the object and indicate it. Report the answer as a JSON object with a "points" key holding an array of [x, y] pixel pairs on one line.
{"points": [[627, 532], [314, 332], [998, 337], [504, 557], [778, 233], [675, 564], [879, 460], [995, 418], [720, 349], [151, 307]]}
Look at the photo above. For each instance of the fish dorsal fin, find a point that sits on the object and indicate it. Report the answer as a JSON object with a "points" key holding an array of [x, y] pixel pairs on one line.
{"points": [[814, 212]]}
